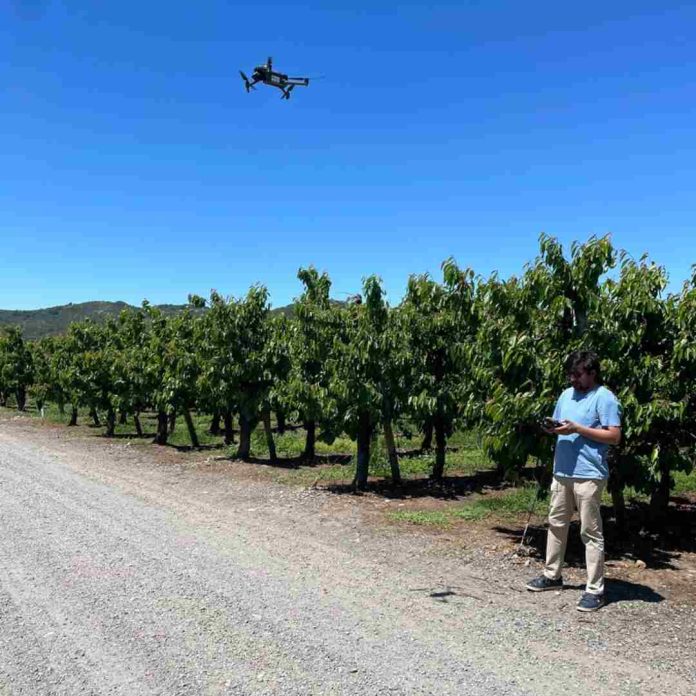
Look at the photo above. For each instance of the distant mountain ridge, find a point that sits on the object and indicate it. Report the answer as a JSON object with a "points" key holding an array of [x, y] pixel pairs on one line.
{"points": [[52, 321]]}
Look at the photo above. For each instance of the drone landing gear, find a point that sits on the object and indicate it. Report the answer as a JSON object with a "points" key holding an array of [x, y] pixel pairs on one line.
{"points": [[286, 92]]}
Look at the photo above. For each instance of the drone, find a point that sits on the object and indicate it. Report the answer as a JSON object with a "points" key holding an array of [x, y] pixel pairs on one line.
{"points": [[266, 74]]}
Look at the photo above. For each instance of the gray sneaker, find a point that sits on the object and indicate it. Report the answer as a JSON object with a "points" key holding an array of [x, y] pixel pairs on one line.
{"points": [[542, 583], [591, 602]]}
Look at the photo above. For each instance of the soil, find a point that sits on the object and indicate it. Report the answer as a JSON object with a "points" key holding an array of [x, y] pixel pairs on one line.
{"points": [[664, 563], [358, 603]]}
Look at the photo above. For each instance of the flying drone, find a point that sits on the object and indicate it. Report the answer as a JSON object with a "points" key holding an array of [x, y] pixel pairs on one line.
{"points": [[268, 76]]}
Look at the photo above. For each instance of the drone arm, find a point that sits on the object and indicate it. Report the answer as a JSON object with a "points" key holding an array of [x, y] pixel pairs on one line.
{"points": [[298, 81]]}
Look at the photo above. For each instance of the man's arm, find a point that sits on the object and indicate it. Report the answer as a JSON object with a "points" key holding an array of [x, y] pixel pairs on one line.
{"points": [[610, 435]]}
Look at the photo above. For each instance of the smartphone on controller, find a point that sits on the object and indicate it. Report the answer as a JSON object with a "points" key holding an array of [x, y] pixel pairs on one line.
{"points": [[551, 423]]}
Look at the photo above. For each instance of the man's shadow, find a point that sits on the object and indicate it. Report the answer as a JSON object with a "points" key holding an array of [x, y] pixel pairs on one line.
{"points": [[624, 591], [616, 591]]}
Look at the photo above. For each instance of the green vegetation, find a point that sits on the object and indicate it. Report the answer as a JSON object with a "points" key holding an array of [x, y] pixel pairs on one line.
{"points": [[684, 483], [54, 321], [508, 503], [391, 392], [435, 518]]}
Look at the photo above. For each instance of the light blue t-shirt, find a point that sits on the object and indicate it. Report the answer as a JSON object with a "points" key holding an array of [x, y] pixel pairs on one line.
{"points": [[577, 456]]}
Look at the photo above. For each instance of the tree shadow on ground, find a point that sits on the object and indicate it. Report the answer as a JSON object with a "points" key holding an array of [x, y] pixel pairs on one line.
{"points": [[295, 462], [200, 448], [300, 461], [288, 427], [420, 452], [635, 541], [449, 488]]}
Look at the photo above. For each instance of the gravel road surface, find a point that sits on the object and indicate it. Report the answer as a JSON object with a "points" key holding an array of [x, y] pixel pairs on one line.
{"points": [[123, 572]]}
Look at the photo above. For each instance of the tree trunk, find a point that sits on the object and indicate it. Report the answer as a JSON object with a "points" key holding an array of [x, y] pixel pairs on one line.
{"points": [[3, 399], [440, 444], [391, 452], [580, 319], [40, 406], [659, 499], [21, 399], [95, 417], [61, 408], [138, 426], [122, 417], [229, 429], [245, 428], [73, 416], [616, 489], [191, 429], [110, 422], [162, 430], [172, 421], [362, 468], [310, 443], [427, 435], [215, 424], [269, 435], [280, 417]]}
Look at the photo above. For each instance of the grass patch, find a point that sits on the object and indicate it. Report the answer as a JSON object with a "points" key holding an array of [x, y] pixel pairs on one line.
{"points": [[509, 503], [180, 436], [435, 518], [310, 475], [51, 412], [684, 483]]}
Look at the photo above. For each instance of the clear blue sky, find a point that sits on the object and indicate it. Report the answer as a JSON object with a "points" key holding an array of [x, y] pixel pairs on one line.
{"points": [[133, 165]]}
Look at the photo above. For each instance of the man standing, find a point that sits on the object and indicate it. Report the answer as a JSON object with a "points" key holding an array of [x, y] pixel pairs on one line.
{"points": [[590, 421]]}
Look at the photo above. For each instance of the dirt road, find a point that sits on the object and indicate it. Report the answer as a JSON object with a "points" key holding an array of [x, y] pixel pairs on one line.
{"points": [[123, 571]]}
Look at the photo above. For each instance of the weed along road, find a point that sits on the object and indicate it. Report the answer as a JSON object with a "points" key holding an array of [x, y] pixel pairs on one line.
{"points": [[127, 570]]}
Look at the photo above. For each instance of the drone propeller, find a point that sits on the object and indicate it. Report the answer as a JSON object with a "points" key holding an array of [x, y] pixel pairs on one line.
{"points": [[247, 84]]}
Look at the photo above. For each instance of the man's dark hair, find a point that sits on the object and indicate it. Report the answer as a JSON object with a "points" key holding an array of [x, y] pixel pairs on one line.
{"points": [[585, 361]]}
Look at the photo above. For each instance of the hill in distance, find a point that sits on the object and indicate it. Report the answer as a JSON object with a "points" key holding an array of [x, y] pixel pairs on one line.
{"points": [[52, 321]]}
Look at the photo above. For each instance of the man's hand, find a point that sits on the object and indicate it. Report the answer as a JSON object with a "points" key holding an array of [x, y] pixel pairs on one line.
{"points": [[549, 425], [606, 436]]}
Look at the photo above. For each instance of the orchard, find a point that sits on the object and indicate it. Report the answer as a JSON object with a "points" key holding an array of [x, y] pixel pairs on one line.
{"points": [[465, 353]]}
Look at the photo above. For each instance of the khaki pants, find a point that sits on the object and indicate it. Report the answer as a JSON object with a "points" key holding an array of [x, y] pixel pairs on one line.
{"points": [[567, 495]]}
